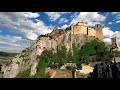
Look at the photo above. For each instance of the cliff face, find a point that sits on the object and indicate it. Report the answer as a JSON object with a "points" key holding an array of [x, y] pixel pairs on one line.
{"points": [[29, 58]]}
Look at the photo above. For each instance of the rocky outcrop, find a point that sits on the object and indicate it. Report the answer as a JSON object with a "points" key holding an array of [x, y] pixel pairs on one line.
{"points": [[29, 57]]}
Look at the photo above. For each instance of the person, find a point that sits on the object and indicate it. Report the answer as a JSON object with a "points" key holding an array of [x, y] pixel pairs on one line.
{"points": [[95, 73], [114, 70], [73, 71], [99, 71], [118, 66]]}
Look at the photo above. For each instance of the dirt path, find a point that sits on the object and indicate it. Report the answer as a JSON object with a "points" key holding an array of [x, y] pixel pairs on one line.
{"points": [[63, 74]]}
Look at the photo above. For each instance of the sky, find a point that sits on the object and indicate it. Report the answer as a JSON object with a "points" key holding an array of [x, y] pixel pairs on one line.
{"points": [[18, 30]]}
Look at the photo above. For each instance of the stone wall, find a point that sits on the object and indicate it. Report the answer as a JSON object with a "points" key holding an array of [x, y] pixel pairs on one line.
{"points": [[91, 32], [115, 41]]}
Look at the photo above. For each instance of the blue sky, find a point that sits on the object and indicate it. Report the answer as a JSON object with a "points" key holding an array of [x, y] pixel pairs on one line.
{"points": [[18, 30]]}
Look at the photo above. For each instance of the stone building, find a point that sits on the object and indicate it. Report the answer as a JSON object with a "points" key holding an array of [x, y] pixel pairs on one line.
{"points": [[82, 28], [115, 42], [79, 28]]}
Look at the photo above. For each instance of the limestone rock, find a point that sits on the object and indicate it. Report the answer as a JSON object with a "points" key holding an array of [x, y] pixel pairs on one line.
{"points": [[29, 57]]}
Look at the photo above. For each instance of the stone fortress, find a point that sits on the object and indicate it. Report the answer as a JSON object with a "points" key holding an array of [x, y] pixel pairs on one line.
{"points": [[80, 28]]}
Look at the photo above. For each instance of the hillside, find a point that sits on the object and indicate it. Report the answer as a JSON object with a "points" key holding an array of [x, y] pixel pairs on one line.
{"points": [[61, 45], [6, 57]]}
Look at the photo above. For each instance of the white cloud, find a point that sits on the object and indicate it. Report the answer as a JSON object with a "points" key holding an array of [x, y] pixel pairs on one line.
{"points": [[65, 26], [110, 23], [118, 21], [108, 34], [31, 35], [114, 13], [117, 34], [117, 16], [91, 18], [32, 15], [21, 23], [13, 43], [2, 42], [107, 40], [63, 20], [55, 15]]}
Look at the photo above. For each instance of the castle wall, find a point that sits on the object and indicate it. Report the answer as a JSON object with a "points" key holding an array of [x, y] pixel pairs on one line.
{"points": [[79, 29], [82, 28], [91, 32]]}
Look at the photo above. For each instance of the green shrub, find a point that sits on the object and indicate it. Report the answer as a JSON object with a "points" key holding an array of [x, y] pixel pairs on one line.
{"points": [[25, 74], [68, 67], [48, 75], [79, 66]]}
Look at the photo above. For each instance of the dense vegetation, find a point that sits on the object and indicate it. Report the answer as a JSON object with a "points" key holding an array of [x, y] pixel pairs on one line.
{"points": [[46, 35], [92, 51]]}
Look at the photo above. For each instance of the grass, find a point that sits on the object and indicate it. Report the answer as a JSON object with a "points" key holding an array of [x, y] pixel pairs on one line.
{"points": [[25, 74], [41, 69], [68, 74], [80, 75]]}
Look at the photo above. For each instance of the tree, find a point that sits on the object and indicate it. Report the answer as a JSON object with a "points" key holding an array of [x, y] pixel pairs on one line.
{"points": [[62, 54], [75, 52], [93, 51]]}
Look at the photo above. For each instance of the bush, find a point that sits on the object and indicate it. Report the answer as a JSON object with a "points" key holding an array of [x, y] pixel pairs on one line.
{"points": [[68, 67], [25, 74], [41, 68], [48, 75], [51, 37], [52, 65], [79, 66]]}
